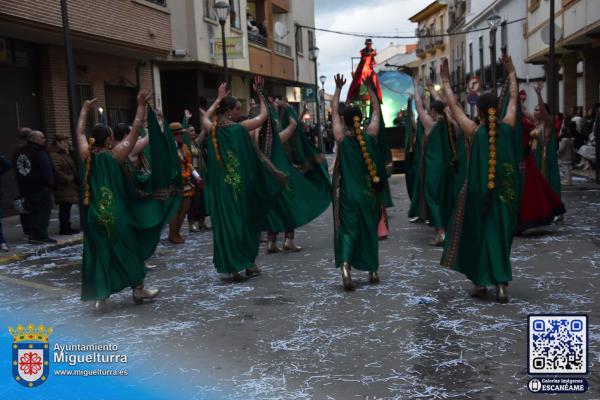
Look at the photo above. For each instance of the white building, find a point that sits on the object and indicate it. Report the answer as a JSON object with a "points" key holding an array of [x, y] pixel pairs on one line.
{"points": [[510, 36]]}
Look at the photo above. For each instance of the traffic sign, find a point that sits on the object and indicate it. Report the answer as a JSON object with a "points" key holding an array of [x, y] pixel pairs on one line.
{"points": [[474, 84], [472, 98]]}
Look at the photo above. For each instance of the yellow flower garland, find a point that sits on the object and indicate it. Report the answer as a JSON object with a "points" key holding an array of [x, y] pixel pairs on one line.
{"points": [[215, 142], [492, 134], [363, 147]]}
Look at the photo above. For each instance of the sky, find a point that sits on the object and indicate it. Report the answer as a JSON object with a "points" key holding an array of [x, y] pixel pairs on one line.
{"points": [[386, 17]]}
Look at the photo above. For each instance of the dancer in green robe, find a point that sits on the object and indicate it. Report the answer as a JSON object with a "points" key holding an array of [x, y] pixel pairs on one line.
{"points": [[411, 159], [308, 192], [544, 143], [242, 187], [358, 188], [438, 167], [417, 210], [483, 223], [125, 215]]}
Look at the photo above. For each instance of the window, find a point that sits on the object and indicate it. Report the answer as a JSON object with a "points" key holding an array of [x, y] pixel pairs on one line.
{"points": [[311, 39], [159, 2], [208, 9], [503, 37], [481, 69], [471, 57], [234, 14], [432, 72], [299, 43]]}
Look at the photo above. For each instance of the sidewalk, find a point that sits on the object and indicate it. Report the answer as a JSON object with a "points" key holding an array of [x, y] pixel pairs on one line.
{"points": [[20, 249]]}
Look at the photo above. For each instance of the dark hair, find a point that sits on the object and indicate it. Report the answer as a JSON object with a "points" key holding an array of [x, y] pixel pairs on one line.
{"points": [[438, 106], [121, 130], [202, 102], [227, 104], [485, 102], [349, 113], [547, 107], [100, 133]]}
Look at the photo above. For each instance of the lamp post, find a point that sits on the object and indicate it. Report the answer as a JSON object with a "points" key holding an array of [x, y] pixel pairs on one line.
{"points": [[493, 22], [314, 54], [222, 10]]}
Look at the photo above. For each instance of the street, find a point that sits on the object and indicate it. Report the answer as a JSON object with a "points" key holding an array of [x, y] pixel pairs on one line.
{"points": [[293, 333]]}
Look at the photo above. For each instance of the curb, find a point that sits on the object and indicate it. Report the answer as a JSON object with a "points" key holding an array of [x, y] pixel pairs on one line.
{"points": [[39, 250]]}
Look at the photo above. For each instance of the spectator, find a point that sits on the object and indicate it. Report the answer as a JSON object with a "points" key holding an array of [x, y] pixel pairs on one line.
{"points": [[251, 23], [4, 167], [262, 29], [35, 180], [24, 217], [66, 182], [565, 152]]}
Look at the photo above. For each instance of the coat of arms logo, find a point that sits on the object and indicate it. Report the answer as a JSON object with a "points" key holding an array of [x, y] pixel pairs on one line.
{"points": [[30, 354]]}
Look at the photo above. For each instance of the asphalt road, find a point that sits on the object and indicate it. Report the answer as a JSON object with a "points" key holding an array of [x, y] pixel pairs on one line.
{"points": [[293, 333]]}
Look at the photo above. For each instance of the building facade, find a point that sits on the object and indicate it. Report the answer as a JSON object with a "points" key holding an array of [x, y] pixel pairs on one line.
{"points": [[510, 37], [278, 52], [113, 59], [432, 46], [577, 48]]}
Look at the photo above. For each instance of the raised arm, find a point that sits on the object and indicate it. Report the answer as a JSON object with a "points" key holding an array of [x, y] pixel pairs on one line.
{"points": [[511, 112], [337, 125], [526, 113], [289, 131], [207, 116], [82, 144], [373, 128], [256, 122], [541, 105], [424, 117], [140, 145], [123, 149], [466, 125]]}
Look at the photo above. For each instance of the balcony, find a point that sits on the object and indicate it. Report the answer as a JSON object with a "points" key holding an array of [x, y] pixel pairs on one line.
{"points": [[282, 48], [257, 39]]}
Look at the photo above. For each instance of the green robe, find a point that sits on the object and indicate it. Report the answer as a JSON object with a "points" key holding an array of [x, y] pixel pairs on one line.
{"points": [[462, 159], [411, 156], [438, 176], [241, 189], [357, 206], [308, 191], [417, 199], [546, 159], [126, 215], [480, 233]]}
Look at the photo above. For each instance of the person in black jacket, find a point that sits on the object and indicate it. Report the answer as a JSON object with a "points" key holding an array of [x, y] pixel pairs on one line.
{"points": [[36, 180], [4, 168]]}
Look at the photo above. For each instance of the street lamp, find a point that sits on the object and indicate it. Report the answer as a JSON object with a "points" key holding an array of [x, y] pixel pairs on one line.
{"points": [[323, 78], [313, 53], [221, 8], [493, 22]]}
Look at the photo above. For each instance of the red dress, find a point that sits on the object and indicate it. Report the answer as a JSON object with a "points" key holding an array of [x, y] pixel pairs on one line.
{"points": [[364, 71], [539, 202]]}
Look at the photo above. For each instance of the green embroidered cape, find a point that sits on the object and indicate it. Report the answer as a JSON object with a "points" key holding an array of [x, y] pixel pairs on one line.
{"points": [[357, 206], [126, 215], [479, 236], [417, 199], [308, 191], [242, 187]]}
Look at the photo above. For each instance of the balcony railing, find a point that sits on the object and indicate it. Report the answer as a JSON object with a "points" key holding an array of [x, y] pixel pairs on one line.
{"points": [[257, 39], [282, 48]]}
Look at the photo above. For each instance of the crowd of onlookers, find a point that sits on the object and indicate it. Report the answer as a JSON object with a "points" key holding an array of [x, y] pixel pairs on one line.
{"points": [[46, 175]]}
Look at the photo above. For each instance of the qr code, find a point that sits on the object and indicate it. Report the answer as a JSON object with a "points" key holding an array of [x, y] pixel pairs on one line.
{"points": [[557, 344]]}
